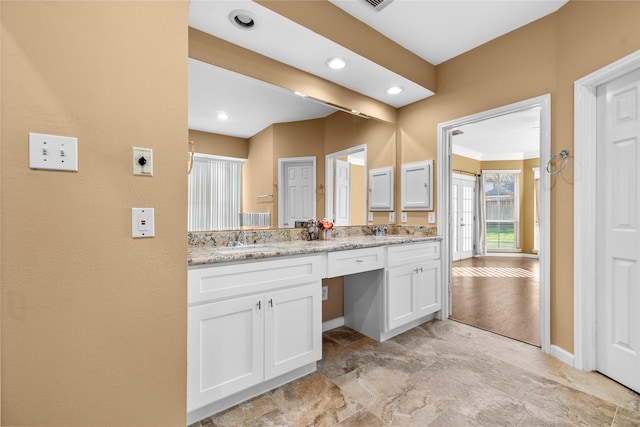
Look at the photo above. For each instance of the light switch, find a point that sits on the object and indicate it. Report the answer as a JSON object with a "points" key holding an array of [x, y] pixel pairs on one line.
{"points": [[142, 161], [53, 152], [370, 217], [392, 217], [142, 223], [403, 217], [431, 217]]}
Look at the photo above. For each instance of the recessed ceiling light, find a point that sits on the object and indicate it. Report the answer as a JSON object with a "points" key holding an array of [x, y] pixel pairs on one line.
{"points": [[222, 115], [394, 90], [336, 63], [242, 19]]}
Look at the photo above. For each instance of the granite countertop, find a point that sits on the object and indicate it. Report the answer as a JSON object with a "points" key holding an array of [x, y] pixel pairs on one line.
{"points": [[207, 254]]}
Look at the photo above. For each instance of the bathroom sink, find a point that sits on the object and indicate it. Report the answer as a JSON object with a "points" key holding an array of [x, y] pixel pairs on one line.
{"points": [[244, 249]]}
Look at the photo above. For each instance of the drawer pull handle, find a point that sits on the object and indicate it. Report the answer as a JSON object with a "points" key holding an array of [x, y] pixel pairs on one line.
{"points": [[259, 305], [271, 303], [359, 260]]}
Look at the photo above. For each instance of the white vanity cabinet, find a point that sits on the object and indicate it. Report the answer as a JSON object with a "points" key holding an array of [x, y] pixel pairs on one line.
{"points": [[249, 326], [412, 285]]}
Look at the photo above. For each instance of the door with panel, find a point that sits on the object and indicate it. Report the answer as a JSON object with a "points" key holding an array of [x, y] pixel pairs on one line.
{"points": [[617, 236], [299, 192]]}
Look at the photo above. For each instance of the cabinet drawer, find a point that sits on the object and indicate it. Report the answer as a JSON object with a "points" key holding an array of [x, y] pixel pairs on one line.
{"points": [[411, 253], [225, 281], [353, 261]]}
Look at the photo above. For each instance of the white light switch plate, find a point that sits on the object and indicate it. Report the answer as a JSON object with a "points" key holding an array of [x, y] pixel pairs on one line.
{"points": [[392, 217], [53, 152], [142, 222], [431, 217], [142, 161], [370, 216], [403, 217]]}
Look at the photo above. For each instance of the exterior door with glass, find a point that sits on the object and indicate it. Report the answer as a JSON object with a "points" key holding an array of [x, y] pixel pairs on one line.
{"points": [[463, 201]]}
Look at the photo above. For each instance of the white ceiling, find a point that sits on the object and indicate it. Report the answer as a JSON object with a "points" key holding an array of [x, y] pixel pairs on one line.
{"points": [[434, 30], [514, 136]]}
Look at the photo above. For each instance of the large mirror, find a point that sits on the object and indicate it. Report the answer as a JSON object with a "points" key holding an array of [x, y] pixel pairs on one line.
{"points": [[266, 157]]}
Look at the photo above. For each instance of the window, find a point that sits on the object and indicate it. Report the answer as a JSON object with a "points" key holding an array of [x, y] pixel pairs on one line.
{"points": [[501, 202], [215, 193]]}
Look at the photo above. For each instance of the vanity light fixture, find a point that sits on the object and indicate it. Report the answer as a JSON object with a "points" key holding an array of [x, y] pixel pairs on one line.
{"points": [[336, 63], [222, 115], [242, 19], [394, 90]]}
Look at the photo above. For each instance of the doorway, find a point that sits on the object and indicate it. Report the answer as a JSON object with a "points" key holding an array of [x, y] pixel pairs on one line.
{"points": [[445, 151], [296, 190], [463, 216], [606, 283]]}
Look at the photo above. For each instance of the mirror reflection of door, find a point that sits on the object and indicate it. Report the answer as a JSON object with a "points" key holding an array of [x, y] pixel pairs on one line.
{"points": [[297, 191], [342, 192], [463, 201]]}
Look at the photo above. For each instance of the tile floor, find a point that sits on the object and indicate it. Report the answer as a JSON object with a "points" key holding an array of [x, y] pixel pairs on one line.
{"points": [[441, 373]]}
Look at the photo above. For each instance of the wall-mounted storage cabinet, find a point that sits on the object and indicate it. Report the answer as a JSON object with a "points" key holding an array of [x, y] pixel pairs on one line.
{"points": [[381, 189], [417, 186]]}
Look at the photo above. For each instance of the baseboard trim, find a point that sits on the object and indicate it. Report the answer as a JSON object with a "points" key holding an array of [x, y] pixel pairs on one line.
{"points": [[562, 354], [332, 324]]}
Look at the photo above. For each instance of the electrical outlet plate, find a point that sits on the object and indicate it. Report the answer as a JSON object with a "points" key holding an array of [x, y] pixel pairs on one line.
{"points": [[431, 217], [142, 161], [142, 222], [370, 216], [392, 217], [53, 152], [403, 217]]}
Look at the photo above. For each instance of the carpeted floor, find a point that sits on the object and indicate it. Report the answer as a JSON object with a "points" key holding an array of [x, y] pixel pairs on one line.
{"points": [[498, 294]]}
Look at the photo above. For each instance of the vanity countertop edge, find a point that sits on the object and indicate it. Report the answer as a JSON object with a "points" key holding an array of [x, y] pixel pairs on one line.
{"points": [[207, 254]]}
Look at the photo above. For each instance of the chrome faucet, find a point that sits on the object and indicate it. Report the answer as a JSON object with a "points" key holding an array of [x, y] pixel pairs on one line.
{"points": [[242, 234], [380, 231]]}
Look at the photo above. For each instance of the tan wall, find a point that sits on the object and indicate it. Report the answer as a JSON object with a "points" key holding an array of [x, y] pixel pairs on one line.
{"points": [[219, 145], [546, 56], [465, 164], [358, 216], [93, 321], [333, 307], [258, 176]]}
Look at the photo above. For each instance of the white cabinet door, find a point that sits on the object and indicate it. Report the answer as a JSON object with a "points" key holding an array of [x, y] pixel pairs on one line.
{"points": [[415, 186], [428, 283], [226, 349], [401, 296], [293, 329], [381, 189]]}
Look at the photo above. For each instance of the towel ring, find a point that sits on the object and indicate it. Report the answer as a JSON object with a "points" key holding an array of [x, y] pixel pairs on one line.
{"points": [[565, 155]]}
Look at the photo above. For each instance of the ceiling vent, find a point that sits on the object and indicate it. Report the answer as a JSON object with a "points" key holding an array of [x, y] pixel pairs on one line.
{"points": [[378, 5]]}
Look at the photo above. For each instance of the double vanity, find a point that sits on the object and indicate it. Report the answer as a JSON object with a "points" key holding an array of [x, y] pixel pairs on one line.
{"points": [[255, 311]]}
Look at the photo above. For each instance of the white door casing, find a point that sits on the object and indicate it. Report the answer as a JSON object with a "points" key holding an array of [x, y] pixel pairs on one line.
{"points": [[585, 198], [443, 210], [342, 193], [296, 190], [617, 236]]}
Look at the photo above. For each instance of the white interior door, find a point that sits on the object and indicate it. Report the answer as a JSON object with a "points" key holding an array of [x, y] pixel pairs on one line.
{"points": [[617, 237], [298, 197], [342, 193], [463, 202]]}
